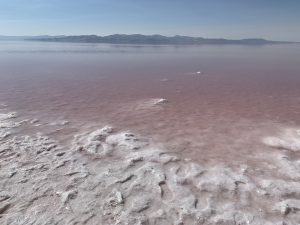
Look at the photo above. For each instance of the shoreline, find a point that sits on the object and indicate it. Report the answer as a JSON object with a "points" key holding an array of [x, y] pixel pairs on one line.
{"points": [[120, 177]]}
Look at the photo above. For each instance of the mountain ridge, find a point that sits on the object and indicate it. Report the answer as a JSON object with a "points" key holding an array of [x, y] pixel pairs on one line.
{"points": [[155, 39]]}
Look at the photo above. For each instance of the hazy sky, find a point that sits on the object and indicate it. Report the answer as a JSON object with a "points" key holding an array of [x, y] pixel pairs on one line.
{"points": [[272, 19]]}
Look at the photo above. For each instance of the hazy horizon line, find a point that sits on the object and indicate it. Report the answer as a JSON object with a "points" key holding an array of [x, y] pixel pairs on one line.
{"points": [[154, 34]]}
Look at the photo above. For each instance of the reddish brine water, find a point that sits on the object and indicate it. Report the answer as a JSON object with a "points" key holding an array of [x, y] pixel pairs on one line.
{"points": [[221, 99]]}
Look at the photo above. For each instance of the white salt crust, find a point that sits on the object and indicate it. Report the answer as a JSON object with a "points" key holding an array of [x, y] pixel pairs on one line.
{"points": [[289, 139], [116, 177]]}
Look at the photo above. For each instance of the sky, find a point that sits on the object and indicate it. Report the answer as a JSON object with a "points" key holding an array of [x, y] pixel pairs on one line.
{"points": [[233, 19]]}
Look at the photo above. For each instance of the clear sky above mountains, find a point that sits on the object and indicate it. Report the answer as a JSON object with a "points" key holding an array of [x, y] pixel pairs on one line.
{"points": [[271, 19]]}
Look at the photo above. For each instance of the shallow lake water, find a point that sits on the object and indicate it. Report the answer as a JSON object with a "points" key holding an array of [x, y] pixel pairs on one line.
{"points": [[221, 99], [201, 134]]}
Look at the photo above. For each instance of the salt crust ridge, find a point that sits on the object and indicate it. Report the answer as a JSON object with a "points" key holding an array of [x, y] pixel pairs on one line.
{"points": [[116, 177], [289, 139]]}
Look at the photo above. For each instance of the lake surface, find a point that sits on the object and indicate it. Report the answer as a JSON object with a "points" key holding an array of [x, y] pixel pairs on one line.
{"points": [[221, 99], [122, 134]]}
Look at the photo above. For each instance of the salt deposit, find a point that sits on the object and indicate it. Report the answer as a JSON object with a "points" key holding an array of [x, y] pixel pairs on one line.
{"points": [[6, 124], [110, 176], [34, 121], [160, 101], [289, 139], [194, 73], [3, 134], [5, 116], [152, 102], [60, 123], [145, 105]]}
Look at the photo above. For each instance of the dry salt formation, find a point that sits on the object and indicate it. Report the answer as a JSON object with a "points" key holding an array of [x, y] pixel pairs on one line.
{"points": [[109, 176]]}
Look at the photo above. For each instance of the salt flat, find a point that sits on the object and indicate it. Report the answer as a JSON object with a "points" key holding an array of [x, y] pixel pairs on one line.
{"points": [[110, 176]]}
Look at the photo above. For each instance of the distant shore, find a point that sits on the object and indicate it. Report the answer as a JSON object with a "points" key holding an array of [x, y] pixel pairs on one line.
{"points": [[155, 39], [145, 39]]}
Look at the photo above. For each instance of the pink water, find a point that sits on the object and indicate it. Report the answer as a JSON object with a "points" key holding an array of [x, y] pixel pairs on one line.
{"points": [[242, 94]]}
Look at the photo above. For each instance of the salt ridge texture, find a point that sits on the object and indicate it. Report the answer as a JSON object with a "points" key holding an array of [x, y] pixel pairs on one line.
{"points": [[289, 139], [116, 177]]}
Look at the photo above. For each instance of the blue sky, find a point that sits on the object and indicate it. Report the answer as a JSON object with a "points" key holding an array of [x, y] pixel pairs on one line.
{"points": [[272, 19]]}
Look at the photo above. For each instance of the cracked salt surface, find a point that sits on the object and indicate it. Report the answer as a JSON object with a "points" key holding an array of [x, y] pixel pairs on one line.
{"points": [[109, 176]]}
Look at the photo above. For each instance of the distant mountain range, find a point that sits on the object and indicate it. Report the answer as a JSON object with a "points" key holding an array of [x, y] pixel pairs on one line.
{"points": [[143, 39]]}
